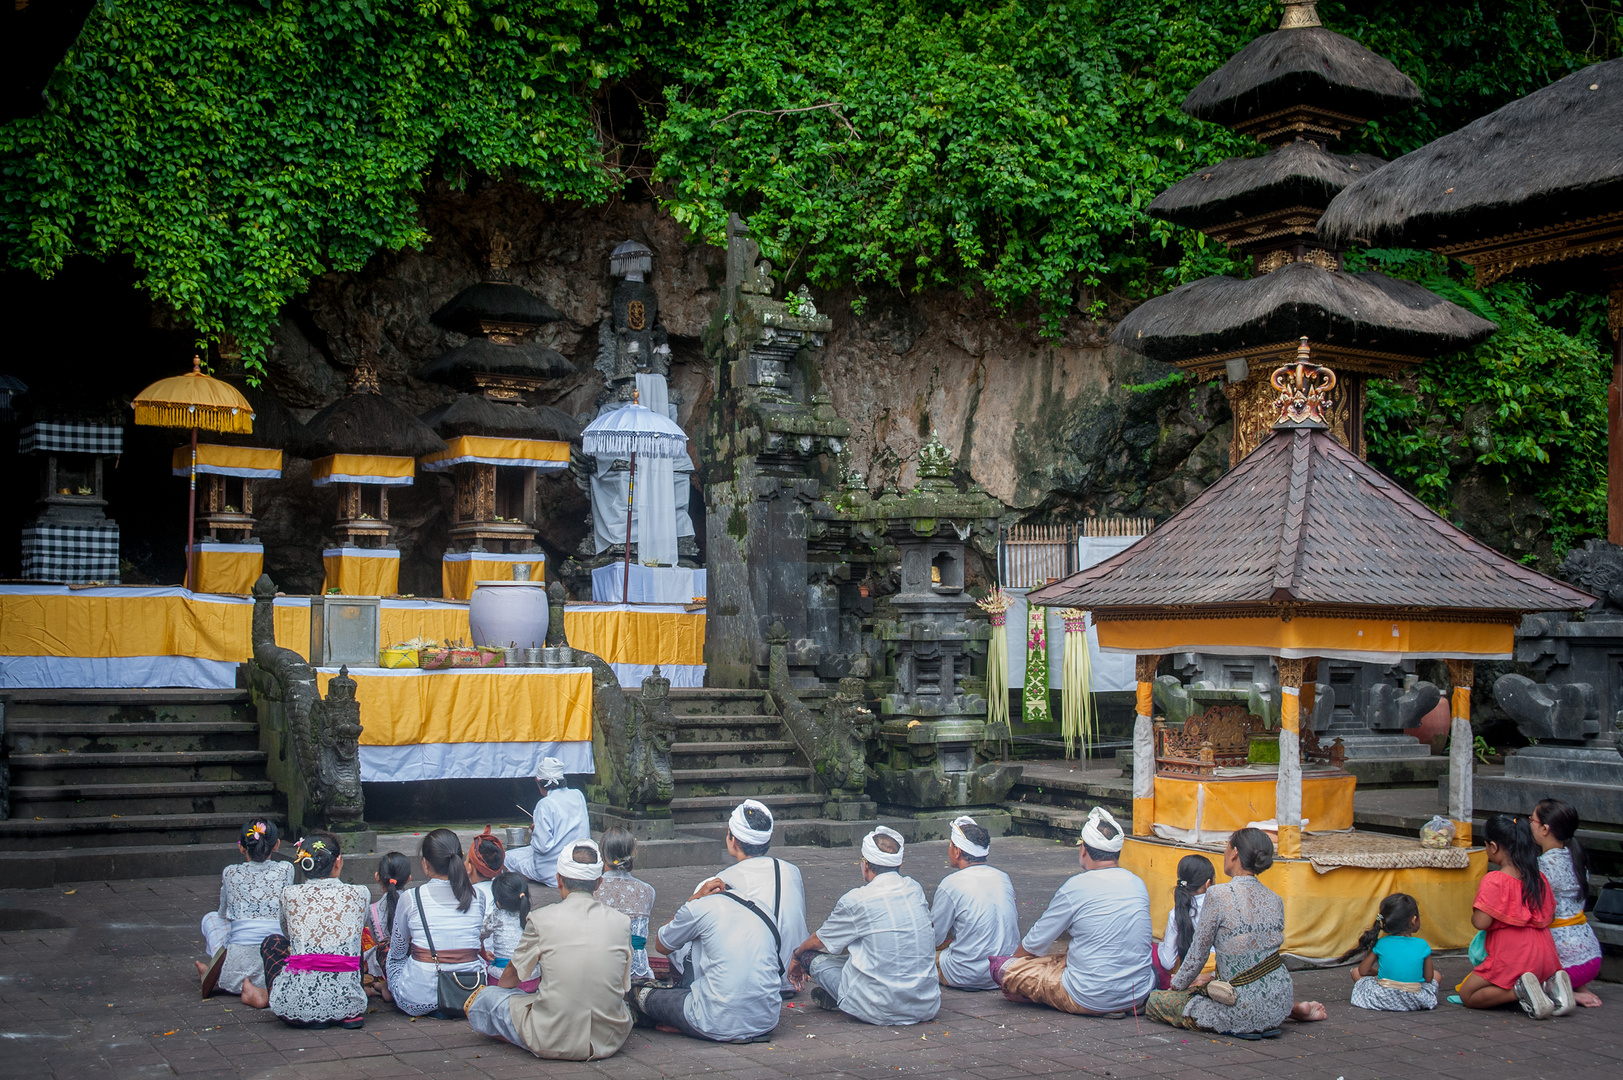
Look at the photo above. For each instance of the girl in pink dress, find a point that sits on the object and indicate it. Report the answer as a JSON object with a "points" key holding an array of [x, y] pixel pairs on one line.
{"points": [[1515, 907]]}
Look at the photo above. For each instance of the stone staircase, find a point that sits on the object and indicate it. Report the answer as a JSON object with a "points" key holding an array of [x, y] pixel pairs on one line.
{"points": [[128, 783], [1052, 798], [729, 748]]}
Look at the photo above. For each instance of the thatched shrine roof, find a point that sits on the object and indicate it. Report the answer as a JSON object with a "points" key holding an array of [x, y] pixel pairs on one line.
{"points": [[1549, 159], [474, 414], [275, 426], [1367, 311], [1304, 521], [493, 302], [479, 355], [366, 423], [1308, 66], [1298, 173]]}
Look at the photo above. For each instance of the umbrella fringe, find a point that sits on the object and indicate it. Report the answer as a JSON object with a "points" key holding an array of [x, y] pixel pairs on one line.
{"points": [[202, 417], [626, 443]]}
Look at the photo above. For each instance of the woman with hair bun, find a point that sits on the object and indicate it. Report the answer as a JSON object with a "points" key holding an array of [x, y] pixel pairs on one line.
{"points": [[314, 972], [455, 912], [250, 911]]}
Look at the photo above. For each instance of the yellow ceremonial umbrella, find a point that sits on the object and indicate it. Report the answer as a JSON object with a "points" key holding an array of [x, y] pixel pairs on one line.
{"points": [[194, 401]]}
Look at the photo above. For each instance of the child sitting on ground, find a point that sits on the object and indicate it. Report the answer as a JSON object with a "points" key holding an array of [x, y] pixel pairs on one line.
{"points": [[393, 871], [1566, 868], [631, 896], [1195, 876], [1515, 908], [504, 925], [1397, 974]]}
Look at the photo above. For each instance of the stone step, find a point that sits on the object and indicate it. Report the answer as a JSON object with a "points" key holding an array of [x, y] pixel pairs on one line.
{"points": [[745, 727], [714, 701], [43, 869], [734, 755], [736, 782], [138, 829], [44, 736], [121, 767], [717, 807], [243, 797], [126, 706]]}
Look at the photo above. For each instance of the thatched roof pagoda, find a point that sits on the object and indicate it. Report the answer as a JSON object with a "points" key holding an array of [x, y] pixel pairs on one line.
{"points": [[501, 357], [1534, 189], [367, 423], [1296, 89], [475, 414]]}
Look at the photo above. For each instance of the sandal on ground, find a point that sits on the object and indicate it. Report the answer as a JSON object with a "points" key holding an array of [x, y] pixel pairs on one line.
{"points": [[211, 977], [1256, 1036]]}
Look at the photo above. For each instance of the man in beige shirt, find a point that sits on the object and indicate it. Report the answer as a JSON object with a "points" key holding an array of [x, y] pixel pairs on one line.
{"points": [[581, 951]]}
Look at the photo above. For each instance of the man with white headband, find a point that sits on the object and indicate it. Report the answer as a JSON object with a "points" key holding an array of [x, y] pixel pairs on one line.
{"points": [[1106, 910], [559, 819], [974, 912], [773, 884], [887, 975], [581, 951], [729, 992]]}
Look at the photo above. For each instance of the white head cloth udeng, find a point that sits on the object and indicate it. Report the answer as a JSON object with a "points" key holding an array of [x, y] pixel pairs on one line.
{"points": [[551, 771], [739, 826], [874, 857], [580, 871], [1094, 838], [964, 843]]}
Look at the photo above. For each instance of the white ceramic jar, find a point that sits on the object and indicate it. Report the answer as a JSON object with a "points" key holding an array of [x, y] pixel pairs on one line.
{"points": [[503, 612]]}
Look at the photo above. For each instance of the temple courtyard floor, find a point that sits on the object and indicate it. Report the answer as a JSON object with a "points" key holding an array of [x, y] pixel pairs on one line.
{"points": [[106, 988]]}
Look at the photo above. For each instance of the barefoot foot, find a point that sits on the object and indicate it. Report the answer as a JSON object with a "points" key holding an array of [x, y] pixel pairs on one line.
{"points": [[1587, 1000], [255, 997], [1309, 1011]]}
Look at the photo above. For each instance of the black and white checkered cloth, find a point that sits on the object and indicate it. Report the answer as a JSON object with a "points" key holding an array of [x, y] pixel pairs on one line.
{"points": [[71, 438], [72, 554]]}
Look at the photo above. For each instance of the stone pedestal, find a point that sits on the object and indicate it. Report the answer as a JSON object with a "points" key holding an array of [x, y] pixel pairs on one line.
{"points": [[1590, 779]]}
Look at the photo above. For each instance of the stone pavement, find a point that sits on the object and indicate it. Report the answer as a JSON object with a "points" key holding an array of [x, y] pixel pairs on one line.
{"points": [[96, 982]]}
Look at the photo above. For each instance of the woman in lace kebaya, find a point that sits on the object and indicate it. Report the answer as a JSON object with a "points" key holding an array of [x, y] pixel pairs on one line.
{"points": [[250, 910], [314, 971]]}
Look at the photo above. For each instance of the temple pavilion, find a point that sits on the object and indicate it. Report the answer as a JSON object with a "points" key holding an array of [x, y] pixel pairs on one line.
{"points": [[1304, 552]]}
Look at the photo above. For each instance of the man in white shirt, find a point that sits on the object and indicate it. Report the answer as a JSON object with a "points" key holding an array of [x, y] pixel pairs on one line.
{"points": [[974, 912], [732, 995], [1106, 910], [560, 820], [887, 975], [773, 884]]}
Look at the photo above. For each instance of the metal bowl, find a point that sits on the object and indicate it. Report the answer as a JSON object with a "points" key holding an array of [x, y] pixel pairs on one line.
{"points": [[532, 657], [517, 836], [560, 656]]}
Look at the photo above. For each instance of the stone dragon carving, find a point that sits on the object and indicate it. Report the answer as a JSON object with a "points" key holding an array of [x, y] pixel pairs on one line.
{"points": [[835, 742]]}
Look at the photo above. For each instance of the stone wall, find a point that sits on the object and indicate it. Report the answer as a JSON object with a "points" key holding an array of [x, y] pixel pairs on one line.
{"points": [[1043, 425]]}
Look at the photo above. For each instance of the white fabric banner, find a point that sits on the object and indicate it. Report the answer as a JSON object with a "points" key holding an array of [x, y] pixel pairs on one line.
{"points": [[681, 675], [649, 584], [470, 761], [656, 524], [116, 672]]}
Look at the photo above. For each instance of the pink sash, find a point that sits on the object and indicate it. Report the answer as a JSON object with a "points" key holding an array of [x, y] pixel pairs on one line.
{"points": [[323, 962]]}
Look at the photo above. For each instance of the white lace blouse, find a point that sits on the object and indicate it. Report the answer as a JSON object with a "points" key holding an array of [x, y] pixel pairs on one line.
{"points": [[322, 917]]}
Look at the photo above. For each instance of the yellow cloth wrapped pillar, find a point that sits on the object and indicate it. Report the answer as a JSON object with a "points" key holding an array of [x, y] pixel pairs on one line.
{"points": [[1144, 749], [459, 570], [1461, 747], [361, 571], [230, 569], [1288, 792]]}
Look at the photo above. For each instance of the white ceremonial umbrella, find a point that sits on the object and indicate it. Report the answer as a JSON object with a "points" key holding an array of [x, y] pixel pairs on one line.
{"points": [[631, 430]]}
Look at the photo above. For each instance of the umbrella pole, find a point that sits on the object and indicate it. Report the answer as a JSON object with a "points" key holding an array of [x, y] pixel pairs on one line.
{"points": [[191, 512], [631, 489]]}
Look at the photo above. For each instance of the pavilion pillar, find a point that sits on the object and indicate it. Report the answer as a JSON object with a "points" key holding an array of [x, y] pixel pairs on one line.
{"points": [[1288, 789], [1462, 674], [1614, 418], [1144, 747]]}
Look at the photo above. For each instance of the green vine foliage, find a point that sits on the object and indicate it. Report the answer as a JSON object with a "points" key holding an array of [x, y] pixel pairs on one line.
{"points": [[1527, 408], [235, 151]]}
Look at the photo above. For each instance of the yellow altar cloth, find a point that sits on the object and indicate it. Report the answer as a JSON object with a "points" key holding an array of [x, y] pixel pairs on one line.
{"points": [[460, 569], [1325, 912], [1229, 804], [405, 706], [247, 462], [533, 453], [230, 569], [123, 621], [363, 469], [398, 620], [357, 571], [637, 633]]}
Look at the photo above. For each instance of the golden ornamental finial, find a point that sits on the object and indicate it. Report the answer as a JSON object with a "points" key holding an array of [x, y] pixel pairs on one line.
{"points": [[1304, 391], [1299, 15], [197, 364], [364, 379]]}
